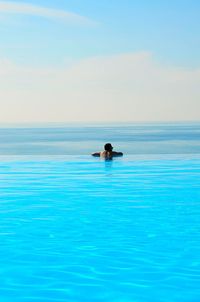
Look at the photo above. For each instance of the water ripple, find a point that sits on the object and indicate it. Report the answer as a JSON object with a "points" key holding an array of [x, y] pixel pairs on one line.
{"points": [[72, 230]]}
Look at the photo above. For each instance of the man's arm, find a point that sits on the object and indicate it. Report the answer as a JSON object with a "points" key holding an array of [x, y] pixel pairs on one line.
{"points": [[97, 154], [117, 153]]}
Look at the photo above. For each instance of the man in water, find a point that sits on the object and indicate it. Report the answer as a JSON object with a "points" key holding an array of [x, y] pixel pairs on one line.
{"points": [[108, 152]]}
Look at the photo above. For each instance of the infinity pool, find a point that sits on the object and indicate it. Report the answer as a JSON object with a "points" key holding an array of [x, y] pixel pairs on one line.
{"points": [[81, 229]]}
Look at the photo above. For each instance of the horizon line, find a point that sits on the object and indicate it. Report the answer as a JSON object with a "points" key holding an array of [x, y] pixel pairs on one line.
{"points": [[100, 123]]}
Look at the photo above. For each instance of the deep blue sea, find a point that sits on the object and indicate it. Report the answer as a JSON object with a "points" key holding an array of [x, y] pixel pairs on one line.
{"points": [[74, 228]]}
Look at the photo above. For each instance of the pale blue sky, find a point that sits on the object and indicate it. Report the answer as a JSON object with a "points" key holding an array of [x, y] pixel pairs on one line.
{"points": [[168, 29], [38, 36]]}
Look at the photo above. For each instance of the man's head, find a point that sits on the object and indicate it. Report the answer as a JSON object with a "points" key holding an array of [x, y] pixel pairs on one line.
{"points": [[108, 147]]}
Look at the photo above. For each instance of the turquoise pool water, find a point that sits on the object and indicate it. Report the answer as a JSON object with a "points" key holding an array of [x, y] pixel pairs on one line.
{"points": [[76, 228]]}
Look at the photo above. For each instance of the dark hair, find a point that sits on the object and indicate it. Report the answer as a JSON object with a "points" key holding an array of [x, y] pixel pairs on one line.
{"points": [[108, 147]]}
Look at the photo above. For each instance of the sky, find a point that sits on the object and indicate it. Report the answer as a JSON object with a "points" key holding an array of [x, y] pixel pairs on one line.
{"points": [[99, 61]]}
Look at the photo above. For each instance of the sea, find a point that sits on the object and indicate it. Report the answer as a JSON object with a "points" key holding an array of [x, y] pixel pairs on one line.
{"points": [[76, 228]]}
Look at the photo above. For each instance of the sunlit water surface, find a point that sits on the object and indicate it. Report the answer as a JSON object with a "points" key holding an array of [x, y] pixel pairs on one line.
{"points": [[76, 228]]}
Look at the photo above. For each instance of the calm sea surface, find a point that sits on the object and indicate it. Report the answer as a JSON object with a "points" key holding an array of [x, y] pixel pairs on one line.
{"points": [[77, 228], [83, 139]]}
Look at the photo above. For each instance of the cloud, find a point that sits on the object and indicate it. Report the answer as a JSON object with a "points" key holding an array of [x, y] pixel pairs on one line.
{"points": [[29, 9], [126, 87]]}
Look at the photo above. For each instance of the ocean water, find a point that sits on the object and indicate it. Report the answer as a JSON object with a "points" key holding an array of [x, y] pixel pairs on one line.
{"points": [[77, 228]]}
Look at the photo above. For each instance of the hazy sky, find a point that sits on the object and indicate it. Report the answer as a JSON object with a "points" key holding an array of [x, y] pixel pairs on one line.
{"points": [[99, 60]]}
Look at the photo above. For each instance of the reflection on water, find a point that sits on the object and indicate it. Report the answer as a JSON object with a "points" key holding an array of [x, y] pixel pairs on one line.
{"points": [[108, 166]]}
